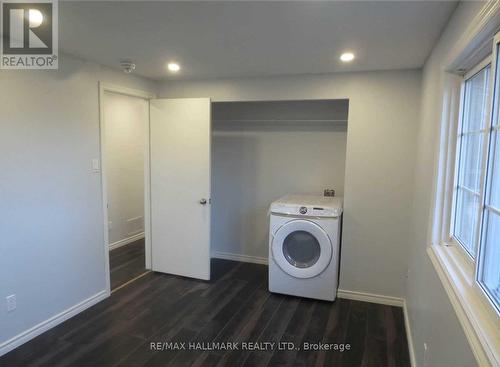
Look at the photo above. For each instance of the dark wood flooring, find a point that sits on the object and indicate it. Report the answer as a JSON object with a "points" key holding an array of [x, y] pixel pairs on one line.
{"points": [[234, 306], [126, 263]]}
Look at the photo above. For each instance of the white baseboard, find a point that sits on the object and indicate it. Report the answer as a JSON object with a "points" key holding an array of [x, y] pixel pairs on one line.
{"points": [[36, 330], [239, 257], [369, 297], [126, 241], [409, 337]]}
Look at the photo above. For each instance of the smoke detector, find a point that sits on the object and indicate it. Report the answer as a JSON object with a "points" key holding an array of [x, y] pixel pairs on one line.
{"points": [[127, 66]]}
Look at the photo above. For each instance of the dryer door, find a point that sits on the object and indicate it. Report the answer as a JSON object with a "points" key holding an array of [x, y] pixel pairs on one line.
{"points": [[302, 249]]}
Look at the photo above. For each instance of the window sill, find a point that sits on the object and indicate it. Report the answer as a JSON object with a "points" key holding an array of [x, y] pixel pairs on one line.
{"points": [[476, 315]]}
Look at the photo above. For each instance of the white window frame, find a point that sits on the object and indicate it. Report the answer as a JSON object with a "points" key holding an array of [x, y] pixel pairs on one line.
{"points": [[485, 208], [450, 239], [456, 269], [463, 258]]}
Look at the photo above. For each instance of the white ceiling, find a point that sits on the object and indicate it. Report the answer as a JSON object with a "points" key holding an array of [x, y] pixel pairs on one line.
{"points": [[234, 39]]}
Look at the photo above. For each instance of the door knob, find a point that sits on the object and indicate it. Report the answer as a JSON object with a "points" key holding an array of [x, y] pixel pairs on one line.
{"points": [[203, 201]]}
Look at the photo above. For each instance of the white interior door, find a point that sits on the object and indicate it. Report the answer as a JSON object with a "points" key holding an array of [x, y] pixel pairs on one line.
{"points": [[180, 186]]}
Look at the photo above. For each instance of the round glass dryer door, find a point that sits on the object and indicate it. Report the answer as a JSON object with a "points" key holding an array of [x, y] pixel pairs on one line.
{"points": [[302, 249]]}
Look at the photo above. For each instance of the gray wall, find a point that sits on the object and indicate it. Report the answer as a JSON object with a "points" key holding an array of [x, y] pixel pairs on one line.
{"points": [[51, 222], [262, 151], [432, 317], [383, 117]]}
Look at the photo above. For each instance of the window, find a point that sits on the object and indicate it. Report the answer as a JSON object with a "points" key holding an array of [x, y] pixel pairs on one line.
{"points": [[489, 262], [475, 223], [471, 142]]}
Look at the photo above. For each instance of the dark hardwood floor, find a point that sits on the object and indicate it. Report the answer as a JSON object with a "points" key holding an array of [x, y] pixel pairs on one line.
{"points": [[235, 306], [126, 263]]}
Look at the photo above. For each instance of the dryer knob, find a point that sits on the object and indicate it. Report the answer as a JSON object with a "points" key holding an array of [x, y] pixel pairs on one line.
{"points": [[302, 210]]}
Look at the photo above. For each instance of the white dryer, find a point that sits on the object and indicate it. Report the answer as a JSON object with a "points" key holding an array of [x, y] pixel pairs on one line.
{"points": [[304, 241]]}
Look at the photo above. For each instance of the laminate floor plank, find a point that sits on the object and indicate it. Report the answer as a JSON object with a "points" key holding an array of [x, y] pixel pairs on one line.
{"points": [[313, 334], [216, 324], [375, 338], [126, 263], [356, 333], [335, 333], [252, 330], [294, 333], [274, 331]]}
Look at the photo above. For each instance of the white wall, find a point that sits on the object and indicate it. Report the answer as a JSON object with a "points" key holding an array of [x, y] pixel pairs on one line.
{"points": [[125, 119], [256, 162], [383, 117], [51, 222], [432, 316]]}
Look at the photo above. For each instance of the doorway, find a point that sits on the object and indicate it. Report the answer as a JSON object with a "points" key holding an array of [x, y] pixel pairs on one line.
{"points": [[125, 172]]}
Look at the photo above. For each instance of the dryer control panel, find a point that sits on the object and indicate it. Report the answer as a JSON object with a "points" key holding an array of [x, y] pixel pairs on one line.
{"points": [[308, 206]]}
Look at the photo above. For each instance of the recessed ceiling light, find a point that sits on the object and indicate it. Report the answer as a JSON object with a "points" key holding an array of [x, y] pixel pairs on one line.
{"points": [[173, 67], [347, 56]]}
